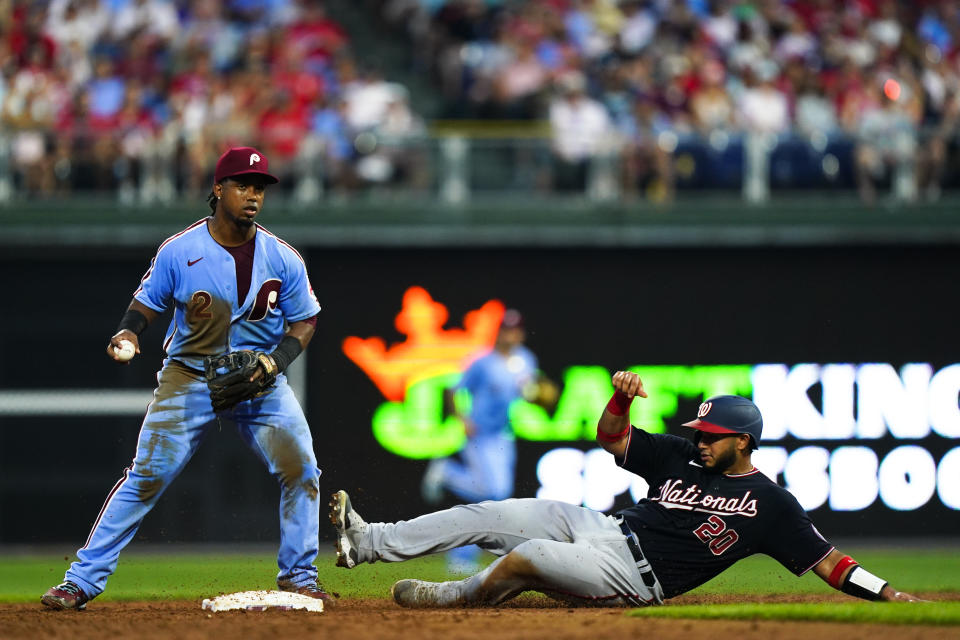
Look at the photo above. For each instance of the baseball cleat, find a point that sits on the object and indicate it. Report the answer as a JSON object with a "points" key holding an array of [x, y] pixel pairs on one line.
{"points": [[66, 595], [348, 523], [310, 590], [415, 594]]}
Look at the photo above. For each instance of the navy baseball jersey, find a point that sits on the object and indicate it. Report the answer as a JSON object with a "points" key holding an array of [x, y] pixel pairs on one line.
{"points": [[694, 524], [198, 277]]}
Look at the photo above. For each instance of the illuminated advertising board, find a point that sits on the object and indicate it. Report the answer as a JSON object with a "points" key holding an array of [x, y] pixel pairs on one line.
{"points": [[840, 436], [849, 351]]}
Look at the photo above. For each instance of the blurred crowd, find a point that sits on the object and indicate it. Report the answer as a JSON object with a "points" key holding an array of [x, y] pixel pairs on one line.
{"points": [[108, 94], [651, 74]]}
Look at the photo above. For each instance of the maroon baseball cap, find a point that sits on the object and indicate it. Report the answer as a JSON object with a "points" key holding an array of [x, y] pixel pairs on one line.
{"points": [[240, 161], [511, 320]]}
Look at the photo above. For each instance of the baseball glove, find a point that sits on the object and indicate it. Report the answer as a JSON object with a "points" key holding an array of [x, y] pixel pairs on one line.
{"points": [[229, 377], [543, 392]]}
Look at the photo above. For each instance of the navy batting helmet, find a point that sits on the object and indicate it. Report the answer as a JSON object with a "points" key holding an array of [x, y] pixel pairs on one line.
{"points": [[729, 414]]}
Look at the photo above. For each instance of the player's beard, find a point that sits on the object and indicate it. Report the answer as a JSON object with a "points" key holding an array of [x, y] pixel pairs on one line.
{"points": [[723, 461]]}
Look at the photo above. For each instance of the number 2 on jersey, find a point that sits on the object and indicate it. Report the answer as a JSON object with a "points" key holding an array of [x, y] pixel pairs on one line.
{"points": [[199, 304], [716, 535]]}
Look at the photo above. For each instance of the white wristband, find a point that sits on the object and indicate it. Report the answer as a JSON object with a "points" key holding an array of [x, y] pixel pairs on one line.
{"points": [[863, 578], [861, 583]]}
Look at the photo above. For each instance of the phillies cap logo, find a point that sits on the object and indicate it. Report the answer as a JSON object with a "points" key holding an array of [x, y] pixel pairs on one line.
{"points": [[254, 157], [704, 409]]}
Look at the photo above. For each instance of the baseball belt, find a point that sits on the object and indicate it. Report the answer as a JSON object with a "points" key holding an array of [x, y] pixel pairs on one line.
{"points": [[646, 571]]}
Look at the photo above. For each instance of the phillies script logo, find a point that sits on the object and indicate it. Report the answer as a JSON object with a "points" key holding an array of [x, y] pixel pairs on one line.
{"points": [[674, 496]]}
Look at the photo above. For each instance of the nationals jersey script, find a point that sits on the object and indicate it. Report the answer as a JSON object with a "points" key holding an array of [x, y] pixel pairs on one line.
{"points": [[694, 524], [198, 276]]}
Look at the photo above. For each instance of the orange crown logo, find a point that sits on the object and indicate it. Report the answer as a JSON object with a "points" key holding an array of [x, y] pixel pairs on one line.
{"points": [[429, 350]]}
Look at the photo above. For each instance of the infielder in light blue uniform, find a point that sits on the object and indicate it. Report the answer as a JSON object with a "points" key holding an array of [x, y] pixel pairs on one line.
{"points": [[494, 381], [232, 285]]}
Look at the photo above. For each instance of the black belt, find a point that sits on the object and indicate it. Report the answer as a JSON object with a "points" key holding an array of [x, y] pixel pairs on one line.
{"points": [[646, 571]]}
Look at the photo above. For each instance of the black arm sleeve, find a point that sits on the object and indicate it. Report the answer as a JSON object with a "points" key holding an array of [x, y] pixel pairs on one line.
{"points": [[133, 321], [286, 352]]}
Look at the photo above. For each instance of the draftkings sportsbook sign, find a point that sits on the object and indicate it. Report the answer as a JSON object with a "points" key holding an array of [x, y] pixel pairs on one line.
{"points": [[843, 436]]}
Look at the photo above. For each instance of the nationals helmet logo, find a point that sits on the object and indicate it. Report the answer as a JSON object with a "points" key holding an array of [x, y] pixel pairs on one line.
{"points": [[704, 409], [254, 157]]}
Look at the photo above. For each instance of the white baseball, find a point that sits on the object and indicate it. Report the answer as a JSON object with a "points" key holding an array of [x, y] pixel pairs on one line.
{"points": [[125, 351]]}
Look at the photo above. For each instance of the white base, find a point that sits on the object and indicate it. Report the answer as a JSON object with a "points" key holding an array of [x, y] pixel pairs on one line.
{"points": [[261, 601]]}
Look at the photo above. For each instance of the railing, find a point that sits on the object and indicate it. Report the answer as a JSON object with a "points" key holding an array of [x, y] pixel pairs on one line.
{"points": [[459, 165]]}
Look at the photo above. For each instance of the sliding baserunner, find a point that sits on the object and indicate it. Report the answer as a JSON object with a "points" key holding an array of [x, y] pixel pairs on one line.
{"points": [[707, 508]]}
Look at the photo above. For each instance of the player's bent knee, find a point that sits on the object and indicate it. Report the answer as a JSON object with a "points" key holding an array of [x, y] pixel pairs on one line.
{"points": [[148, 486], [304, 475], [521, 562]]}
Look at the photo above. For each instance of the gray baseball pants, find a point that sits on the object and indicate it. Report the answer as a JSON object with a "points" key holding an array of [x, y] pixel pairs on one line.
{"points": [[565, 551]]}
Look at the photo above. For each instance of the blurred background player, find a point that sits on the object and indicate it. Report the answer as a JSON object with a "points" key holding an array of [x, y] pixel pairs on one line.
{"points": [[485, 470]]}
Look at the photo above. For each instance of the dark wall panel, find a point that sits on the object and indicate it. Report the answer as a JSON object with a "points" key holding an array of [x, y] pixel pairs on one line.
{"points": [[607, 308]]}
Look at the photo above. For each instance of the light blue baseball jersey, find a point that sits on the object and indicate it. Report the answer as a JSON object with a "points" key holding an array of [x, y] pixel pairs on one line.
{"points": [[494, 382], [195, 275]]}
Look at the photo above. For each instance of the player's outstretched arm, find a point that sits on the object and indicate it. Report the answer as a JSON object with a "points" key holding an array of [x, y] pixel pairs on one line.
{"points": [[844, 574], [137, 317], [614, 424]]}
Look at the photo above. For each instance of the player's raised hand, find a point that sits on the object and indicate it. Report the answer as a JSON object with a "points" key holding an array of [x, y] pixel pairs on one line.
{"points": [[117, 348], [629, 384]]}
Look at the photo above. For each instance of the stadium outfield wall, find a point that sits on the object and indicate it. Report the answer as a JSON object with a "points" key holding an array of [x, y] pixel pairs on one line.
{"points": [[720, 219]]}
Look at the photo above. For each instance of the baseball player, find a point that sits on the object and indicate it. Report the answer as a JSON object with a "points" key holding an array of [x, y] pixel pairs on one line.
{"points": [[487, 462], [707, 507], [494, 381], [234, 288]]}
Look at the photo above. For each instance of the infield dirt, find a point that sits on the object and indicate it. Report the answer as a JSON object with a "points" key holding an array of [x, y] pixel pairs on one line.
{"points": [[526, 618]]}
